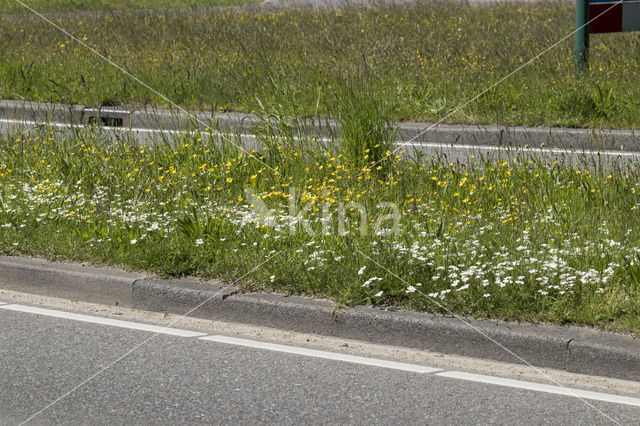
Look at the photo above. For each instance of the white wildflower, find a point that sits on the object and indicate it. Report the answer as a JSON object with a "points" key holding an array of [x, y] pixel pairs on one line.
{"points": [[154, 227], [371, 280]]}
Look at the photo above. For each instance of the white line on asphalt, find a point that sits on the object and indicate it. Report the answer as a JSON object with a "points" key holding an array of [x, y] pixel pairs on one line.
{"points": [[322, 354], [576, 393], [431, 145], [132, 130], [539, 387], [519, 149], [103, 321], [116, 111], [28, 123]]}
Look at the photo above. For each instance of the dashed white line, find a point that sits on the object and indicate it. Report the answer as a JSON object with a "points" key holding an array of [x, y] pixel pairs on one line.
{"points": [[322, 354], [103, 321], [539, 387]]}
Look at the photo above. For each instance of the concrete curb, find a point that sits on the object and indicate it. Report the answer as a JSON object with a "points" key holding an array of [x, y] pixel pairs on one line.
{"points": [[416, 132], [573, 349]]}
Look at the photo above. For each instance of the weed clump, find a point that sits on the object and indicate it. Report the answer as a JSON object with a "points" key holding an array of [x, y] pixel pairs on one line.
{"points": [[367, 131]]}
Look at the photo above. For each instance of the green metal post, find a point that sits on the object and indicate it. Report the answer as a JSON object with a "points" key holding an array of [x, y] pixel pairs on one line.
{"points": [[582, 34]]}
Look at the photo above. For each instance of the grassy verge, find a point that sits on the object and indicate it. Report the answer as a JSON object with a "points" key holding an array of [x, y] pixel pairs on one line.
{"points": [[44, 6], [423, 62], [515, 240]]}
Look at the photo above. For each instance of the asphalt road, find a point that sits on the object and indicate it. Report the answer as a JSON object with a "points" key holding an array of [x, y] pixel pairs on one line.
{"points": [[173, 379]]}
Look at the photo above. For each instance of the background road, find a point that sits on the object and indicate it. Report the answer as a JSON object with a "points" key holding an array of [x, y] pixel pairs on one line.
{"points": [[173, 379]]}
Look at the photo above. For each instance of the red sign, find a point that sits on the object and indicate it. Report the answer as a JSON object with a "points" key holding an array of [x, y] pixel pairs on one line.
{"points": [[614, 18]]}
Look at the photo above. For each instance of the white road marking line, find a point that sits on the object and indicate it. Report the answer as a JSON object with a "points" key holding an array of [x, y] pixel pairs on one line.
{"points": [[103, 321], [322, 354], [430, 145], [28, 123], [539, 387], [517, 149]]}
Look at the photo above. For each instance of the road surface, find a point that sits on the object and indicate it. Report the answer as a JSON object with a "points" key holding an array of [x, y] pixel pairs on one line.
{"points": [[48, 358]]}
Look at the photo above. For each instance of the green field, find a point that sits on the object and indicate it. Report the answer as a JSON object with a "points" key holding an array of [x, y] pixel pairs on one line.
{"points": [[422, 62], [48, 6]]}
